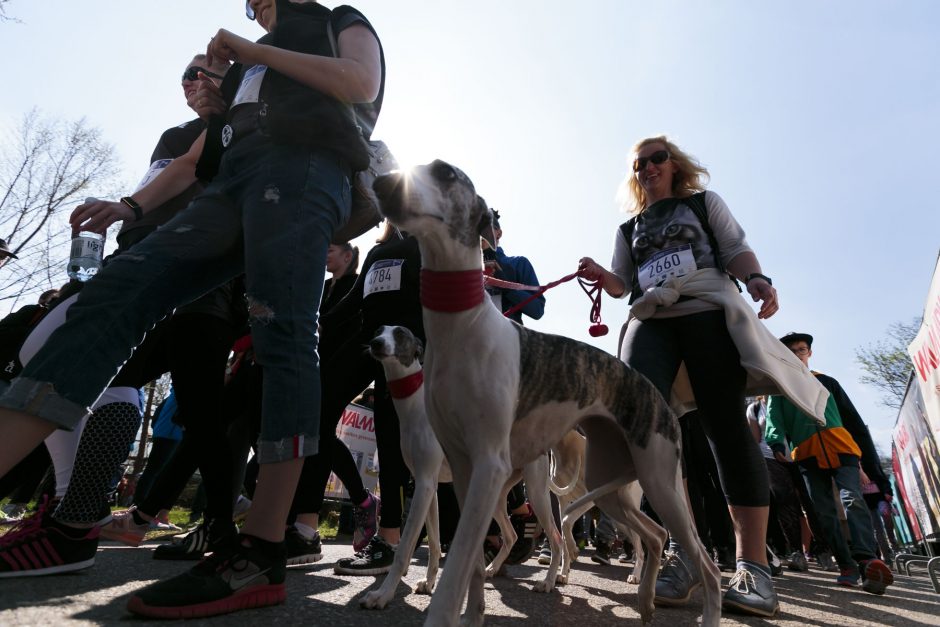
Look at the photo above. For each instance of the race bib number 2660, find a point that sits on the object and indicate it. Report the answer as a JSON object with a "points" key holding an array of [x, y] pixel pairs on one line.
{"points": [[383, 276], [673, 262]]}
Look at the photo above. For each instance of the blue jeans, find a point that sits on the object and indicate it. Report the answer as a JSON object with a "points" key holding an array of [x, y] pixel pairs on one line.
{"points": [[849, 484], [270, 214]]}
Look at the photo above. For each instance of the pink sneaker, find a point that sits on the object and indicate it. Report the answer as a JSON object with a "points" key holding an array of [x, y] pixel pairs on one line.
{"points": [[124, 529], [367, 522]]}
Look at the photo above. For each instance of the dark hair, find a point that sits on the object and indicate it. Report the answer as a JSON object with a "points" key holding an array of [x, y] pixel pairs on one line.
{"points": [[353, 266]]}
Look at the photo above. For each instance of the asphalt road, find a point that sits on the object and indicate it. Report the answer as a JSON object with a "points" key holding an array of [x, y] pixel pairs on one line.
{"points": [[596, 596]]}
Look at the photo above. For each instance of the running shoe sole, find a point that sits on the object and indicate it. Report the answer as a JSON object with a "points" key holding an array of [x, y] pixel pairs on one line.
{"points": [[49, 570], [299, 560], [257, 596], [747, 609], [677, 602], [877, 577]]}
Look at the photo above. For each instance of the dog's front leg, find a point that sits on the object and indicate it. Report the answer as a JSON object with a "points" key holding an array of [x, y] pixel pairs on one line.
{"points": [[478, 501], [432, 526]]}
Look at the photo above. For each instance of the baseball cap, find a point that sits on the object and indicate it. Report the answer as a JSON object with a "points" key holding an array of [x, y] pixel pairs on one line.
{"points": [[792, 338], [5, 249]]}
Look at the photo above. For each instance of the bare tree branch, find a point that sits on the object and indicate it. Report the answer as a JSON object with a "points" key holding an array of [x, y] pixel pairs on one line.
{"points": [[888, 364]]}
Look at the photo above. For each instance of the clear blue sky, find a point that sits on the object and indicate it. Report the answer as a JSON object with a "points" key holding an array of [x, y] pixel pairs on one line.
{"points": [[818, 121]]}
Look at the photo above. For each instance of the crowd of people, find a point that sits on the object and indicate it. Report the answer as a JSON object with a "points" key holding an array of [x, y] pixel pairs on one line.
{"points": [[217, 280]]}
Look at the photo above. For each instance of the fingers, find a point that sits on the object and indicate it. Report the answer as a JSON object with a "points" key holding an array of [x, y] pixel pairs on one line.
{"points": [[98, 216]]}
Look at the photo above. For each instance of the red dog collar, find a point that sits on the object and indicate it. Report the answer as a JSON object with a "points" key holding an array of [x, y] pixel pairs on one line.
{"points": [[451, 292], [406, 386]]}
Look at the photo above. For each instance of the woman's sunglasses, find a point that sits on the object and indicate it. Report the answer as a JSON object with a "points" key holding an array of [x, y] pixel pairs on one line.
{"points": [[658, 158], [192, 73], [248, 10]]}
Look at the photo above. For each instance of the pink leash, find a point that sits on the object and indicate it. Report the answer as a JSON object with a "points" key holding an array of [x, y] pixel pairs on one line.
{"points": [[591, 288]]}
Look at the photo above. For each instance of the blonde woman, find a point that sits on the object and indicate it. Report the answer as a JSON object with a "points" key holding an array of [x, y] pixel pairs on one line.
{"points": [[677, 230]]}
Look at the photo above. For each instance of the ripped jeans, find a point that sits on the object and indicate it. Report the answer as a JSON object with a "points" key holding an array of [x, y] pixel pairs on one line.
{"points": [[270, 214]]}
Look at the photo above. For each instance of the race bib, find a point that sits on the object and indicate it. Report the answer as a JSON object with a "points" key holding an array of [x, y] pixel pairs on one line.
{"points": [[383, 276], [155, 168], [250, 87], [665, 264]]}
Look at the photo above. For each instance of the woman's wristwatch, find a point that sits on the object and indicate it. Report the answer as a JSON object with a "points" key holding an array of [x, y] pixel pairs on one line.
{"points": [[132, 204], [757, 275]]}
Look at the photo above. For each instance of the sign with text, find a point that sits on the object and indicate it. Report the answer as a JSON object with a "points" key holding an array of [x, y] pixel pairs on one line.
{"points": [[925, 352], [917, 465], [356, 429]]}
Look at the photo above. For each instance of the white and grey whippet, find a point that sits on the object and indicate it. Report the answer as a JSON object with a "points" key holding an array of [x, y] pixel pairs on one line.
{"points": [[398, 350], [499, 395]]}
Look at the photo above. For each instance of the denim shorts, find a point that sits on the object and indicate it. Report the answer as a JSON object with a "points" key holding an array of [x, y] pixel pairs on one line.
{"points": [[269, 214]]}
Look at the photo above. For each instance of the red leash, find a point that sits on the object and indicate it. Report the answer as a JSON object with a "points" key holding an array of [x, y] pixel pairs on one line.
{"points": [[591, 288]]}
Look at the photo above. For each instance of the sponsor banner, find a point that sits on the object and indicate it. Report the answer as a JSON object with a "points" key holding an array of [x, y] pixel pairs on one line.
{"points": [[356, 429], [917, 465], [925, 352]]}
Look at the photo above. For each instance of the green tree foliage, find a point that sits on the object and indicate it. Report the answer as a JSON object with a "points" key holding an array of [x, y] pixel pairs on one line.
{"points": [[887, 363]]}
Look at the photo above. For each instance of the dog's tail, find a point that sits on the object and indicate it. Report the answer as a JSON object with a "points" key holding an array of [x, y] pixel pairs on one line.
{"points": [[554, 487]]}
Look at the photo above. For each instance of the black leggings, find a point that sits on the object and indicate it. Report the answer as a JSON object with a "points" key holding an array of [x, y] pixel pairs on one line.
{"points": [[345, 375], [657, 346]]}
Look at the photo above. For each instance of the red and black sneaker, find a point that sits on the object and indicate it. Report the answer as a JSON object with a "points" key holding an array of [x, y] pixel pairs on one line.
{"points": [[876, 576], [244, 573], [39, 545]]}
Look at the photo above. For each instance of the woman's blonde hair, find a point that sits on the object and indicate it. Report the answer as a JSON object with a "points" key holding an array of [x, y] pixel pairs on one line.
{"points": [[690, 176]]}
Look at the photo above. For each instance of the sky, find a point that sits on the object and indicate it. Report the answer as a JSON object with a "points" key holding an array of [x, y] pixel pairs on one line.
{"points": [[817, 122]]}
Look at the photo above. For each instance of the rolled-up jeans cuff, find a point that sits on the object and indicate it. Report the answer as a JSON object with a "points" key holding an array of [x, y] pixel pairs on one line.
{"points": [[38, 398], [286, 449]]}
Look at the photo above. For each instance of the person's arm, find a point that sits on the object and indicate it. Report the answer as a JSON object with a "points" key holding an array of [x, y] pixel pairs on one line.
{"points": [[355, 76], [525, 274], [97, 216], [614, 282], [775, 429], [853, 423]]}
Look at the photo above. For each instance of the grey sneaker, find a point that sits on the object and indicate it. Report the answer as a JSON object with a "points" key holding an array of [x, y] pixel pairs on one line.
{"points": [[797, 561], [375, 559], [545, 553], [751, 592], [826, 562], [675, 583]]}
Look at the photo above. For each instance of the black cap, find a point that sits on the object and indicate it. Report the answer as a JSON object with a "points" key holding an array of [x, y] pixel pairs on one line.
{"points": [[4, 249], [793, 338]]}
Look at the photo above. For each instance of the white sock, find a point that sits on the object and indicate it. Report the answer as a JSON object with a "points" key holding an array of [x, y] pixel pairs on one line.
{"points": [[306, 531]]}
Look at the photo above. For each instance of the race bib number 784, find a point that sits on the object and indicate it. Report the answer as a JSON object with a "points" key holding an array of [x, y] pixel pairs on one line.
{"points": [[383, 276]]}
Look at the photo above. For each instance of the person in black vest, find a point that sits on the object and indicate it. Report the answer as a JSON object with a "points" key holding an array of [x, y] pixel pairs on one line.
{"points": [[670, 237], [280, 189]]}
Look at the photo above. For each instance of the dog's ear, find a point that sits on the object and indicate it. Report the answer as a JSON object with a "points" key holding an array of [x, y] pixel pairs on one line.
{"points": [[485, 225]]}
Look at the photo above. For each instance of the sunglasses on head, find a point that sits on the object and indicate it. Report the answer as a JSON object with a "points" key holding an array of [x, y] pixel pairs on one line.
{"points": [[658, 158], [249, 12], [192, 73]]}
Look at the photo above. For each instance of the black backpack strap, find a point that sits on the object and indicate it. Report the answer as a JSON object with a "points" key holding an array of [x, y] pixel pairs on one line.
{"points": [[208, 165], [696, 202], [627, 229]]}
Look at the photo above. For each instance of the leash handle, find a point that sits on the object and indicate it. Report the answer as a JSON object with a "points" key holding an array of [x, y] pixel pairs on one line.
{"points": [[594, 292]]}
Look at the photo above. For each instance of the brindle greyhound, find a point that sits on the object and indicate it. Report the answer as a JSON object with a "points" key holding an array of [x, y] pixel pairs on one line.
{"points": [[499, 395]]}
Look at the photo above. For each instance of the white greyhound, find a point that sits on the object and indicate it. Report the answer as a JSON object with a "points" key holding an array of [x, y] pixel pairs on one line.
{"points": [[399, 350], [499, 395]]}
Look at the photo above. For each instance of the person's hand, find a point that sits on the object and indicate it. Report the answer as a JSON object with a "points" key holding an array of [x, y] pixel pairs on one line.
{"points": [[780, 457], [761, 290], [231, 47], [97, 216], [208, 100], [590, 269]]}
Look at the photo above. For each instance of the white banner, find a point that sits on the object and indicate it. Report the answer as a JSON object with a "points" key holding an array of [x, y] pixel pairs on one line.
{"points": [[925, 353], [356, 429]]}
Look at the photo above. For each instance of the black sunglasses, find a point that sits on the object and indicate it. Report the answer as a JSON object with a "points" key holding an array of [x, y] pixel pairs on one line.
{"points": [[192, 73], [249, 11], [658, 158]]}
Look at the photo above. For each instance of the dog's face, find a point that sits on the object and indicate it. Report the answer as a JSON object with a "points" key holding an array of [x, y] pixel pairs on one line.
{"points": [[434, 196], [396, 343]]}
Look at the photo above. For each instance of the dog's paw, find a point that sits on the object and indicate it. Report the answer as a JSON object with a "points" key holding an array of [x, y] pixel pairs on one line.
{"points": [[561, 580], [374, 600], [647, 615], [423, 587], [631, 578], [544, 586]]}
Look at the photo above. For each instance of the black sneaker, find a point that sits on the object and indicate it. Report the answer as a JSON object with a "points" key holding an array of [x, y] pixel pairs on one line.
{"points": [[300, 549], [205, 538], [751, 592], [601, 553], [526, 526], [235, 577], [375, 559], [490, 549], [38, 545]]}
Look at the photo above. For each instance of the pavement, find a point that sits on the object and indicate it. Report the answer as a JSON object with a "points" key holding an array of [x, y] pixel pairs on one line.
{"points": [[595, 596]]}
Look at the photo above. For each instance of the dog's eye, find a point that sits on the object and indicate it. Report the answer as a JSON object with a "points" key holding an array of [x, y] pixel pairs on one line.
{"points": [[443, 171]]}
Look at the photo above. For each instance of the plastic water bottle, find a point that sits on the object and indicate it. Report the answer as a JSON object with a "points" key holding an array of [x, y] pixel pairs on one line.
{"points": [[87, 251]]}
